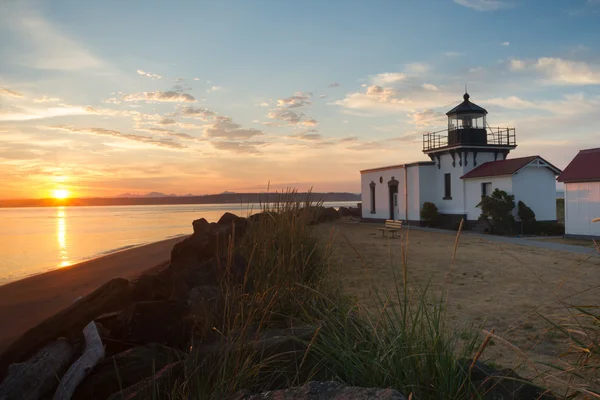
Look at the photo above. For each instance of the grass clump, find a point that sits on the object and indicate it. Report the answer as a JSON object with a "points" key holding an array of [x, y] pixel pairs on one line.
{"points": [[404, 344]]}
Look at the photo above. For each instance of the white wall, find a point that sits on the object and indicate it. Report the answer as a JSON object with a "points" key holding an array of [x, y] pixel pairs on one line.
{"points": [[582, 204], [473, 192], [414, 195], [382, 207], [536, 187]]}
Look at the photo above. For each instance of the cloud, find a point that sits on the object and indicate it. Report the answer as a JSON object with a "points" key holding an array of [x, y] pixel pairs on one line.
{"points": [[148, 74], [200, 113], [238, 147], [299, 99], [427, 118], [170, 96], [168, 143], [166, 121], [310, 134], [334, 85], [214, 89], [417, 68], [291, 117], [224, 127], [322, 96], [505, 44], [263, 104], [453, 54], [9, 93], [46, 99], [482, 5], [429, 86], [169, 132], [387, 78], [557, 71], [27, 114]]}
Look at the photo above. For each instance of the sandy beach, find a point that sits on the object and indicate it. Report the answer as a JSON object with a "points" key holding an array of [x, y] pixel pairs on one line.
{"points": [[26, 302]]}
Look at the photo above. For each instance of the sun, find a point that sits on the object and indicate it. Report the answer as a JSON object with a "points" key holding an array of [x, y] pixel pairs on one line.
{"points": [[60, 193]]}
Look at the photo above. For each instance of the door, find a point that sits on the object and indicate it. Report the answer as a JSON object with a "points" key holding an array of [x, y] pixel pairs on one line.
{"points": [[395, 208]]}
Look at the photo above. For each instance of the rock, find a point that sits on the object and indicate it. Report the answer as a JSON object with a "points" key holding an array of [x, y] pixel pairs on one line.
{"points": [[228, 219], [327, 214], [505, 384], [344, 212], [355, 212], [151, 286], [37, 377], [203, 298], [164, 322], [113, 295], [200, 226], [125, 369], [261, 215], [161, 384], [195, 248], [327, 391]]}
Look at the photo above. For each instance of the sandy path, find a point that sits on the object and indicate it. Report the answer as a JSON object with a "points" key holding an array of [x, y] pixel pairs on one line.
{"points": [[26, 302], [500, 285]]}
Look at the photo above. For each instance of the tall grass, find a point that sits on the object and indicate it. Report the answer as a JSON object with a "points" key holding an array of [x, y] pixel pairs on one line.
{"points": [[405, 344]]}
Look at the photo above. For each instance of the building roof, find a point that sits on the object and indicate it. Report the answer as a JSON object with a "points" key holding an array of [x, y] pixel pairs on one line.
{"points": [[584, 167], [505, 167], [466, 107], [413, 164]]}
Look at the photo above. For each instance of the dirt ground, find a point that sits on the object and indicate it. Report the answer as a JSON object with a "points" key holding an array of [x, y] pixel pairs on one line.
{"points": [[502, 286], [574, 242]]}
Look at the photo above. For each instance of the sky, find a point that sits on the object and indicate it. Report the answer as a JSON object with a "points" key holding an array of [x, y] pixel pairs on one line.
{"points": [[101, 98]]}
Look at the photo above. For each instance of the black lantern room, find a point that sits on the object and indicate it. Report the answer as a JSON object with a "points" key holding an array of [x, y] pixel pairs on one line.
{"points": [[466, 124]]}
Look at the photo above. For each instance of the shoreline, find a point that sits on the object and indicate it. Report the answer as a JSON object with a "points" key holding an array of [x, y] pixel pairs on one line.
{"points": [[28, 301]]}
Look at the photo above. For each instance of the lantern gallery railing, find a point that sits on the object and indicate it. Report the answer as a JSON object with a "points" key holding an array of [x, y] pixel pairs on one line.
{"points": [[469, 136]]}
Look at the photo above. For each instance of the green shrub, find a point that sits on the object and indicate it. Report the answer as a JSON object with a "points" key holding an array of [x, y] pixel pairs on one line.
{"points": [[430, 214], [527, 217], [549, 228], [499, 208]]}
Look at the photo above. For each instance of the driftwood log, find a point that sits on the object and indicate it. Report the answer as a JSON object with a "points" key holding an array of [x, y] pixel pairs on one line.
{"points": [[38, 376], [93, 353], [112, 296]]}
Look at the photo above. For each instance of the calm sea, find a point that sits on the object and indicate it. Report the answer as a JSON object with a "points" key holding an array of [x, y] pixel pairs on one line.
{"points": [[36, 240]]}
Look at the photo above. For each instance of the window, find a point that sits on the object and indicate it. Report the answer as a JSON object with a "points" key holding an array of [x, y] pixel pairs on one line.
{"points": [[447, 187], [372, 185], [486, 188]]}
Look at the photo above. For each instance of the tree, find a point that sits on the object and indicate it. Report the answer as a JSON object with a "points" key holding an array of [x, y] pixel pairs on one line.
{"points": [[527, 217], [498, 207], [430, 214]]}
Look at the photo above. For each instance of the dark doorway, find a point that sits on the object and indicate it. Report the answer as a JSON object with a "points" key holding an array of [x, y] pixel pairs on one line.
{"points": [[393, 189]]}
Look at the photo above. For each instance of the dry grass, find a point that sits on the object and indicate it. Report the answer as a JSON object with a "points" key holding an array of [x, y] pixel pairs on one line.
{"points": [[503, 286]]}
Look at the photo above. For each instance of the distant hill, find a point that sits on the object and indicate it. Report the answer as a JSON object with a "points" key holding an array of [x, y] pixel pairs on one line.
{"points": [[156, 199], [151, 194]]}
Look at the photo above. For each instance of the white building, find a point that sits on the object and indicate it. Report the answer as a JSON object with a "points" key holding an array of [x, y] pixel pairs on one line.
{"points": [[468, 160], [582, 194]]}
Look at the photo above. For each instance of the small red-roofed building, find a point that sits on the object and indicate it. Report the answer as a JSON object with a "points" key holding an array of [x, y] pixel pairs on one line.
{"points": [[468, 160], [582, 194]]}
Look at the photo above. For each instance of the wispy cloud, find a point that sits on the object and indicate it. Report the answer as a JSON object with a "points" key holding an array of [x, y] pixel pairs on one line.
{"points": [[387, 78], [46, 99], [505, 44], [482, 5], [310, 134], [299, 99], [167, 143], [214, 89], [200, 113], [9, 93], [30, 113], [429, 86], [170, 96], [224, 127], [148, 74], [291, 117], [334, 85], [557, 71]]}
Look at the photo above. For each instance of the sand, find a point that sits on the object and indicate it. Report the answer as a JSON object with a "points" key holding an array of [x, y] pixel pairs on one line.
{"points": [[26, 302], [497, 285]]}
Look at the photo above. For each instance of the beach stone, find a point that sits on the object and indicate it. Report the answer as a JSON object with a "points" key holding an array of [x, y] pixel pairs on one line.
{"points": [[327, 391], [355, 212], [343, 211], [200, 226], [327, 214], [157, 386], [504, 384], [125, 369], [112, 296], [151, 286], [164, 322], [261, 215], [240, 223]]}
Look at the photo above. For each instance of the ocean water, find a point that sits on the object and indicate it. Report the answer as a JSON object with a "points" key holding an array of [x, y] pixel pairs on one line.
{"points": [[36, 240]]}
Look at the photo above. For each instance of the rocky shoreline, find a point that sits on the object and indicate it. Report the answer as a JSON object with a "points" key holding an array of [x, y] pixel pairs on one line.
{"points": [[157, 330]]}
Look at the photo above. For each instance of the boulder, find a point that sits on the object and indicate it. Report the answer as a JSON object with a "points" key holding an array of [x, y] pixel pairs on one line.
{"points": [[164, 322], [328, 214], [158, 386], [261, 215], [125, 369], [327, 391], [504, 384], [112, 296], [200, 226], [354, 212], [151, 286], [344, 212]]}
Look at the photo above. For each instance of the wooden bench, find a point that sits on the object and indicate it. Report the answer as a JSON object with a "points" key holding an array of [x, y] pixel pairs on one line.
{"points": [[391, 226]]}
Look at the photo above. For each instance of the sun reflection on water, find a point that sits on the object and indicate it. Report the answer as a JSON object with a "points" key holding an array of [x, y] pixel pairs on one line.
{"points": [[61, 235]]}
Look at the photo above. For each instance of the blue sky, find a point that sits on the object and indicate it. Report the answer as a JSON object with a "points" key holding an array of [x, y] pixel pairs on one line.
{"points": [[106, 97]]}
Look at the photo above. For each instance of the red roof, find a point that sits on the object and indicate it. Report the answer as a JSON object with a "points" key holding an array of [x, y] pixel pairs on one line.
{"points": [[504, 167], [584, 167]]}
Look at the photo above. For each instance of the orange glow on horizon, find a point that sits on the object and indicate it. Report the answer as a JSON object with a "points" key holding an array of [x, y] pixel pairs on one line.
{"points": [[60, 194]]}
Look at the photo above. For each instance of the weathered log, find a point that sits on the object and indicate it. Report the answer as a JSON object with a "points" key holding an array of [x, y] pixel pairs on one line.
{"points": [[38, 376], [112, 296], [93, 353]]}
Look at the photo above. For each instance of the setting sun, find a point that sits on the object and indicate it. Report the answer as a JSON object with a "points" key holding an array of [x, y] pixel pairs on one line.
{"points": [[60, 194]]}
